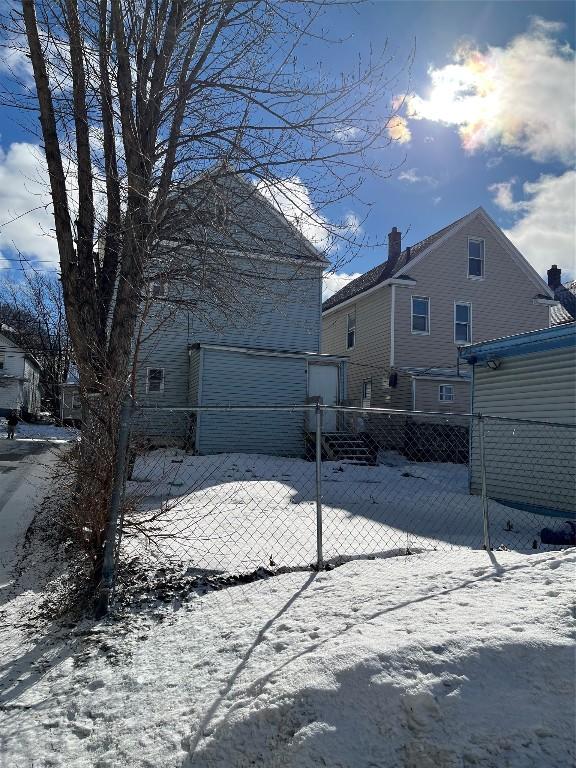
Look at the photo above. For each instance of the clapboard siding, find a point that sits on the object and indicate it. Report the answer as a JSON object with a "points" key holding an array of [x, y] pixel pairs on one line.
{"points": [[538, 386], [427, 396], [532, 464], [282, 311], [502, 303], [370, 356], [236, 378]]}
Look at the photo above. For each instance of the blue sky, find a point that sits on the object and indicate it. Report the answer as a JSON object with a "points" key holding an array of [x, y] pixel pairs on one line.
{"points": [[488, 120]]}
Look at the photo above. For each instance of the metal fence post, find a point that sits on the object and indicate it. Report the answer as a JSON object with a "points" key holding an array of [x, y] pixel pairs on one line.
{"points": [[487, 545], [109, 559], [319, 554]]}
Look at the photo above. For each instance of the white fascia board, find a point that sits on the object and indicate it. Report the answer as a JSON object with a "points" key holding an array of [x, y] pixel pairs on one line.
{"points": [[319, 263], [312, 356], [385, 283], [546, 302]]}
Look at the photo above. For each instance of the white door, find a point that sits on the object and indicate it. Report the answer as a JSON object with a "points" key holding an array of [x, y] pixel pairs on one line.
{"points": [[323, 382]]}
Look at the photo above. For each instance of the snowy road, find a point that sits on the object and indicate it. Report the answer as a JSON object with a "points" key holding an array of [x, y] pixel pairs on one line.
{"points": [[24, 468]]}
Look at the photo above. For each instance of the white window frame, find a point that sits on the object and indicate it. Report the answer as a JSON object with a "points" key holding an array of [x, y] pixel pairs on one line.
{"points": [[442, 389], [427, 331], [351, 330], [366, 393], [483, 275], [161, 293], [469, 305], [154, 391]]}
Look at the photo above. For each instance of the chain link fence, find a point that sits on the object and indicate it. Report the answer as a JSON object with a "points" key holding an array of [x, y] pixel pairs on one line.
{"points": [[331, 484]]}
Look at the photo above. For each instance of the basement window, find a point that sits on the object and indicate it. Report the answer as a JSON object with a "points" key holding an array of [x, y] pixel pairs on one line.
{"points": [[446, 393]]}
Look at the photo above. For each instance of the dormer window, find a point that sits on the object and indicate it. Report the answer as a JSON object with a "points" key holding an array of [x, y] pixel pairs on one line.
{"points": [[475, 258]]}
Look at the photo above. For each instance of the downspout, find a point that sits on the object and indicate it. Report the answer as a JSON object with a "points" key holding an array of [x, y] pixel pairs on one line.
{"points": [[199, 403]]}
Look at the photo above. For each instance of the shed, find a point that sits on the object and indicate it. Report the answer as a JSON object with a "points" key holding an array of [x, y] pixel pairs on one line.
{"points": [[525, 387]]}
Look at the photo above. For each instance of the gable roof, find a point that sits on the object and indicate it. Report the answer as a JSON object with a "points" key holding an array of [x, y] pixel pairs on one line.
{"points": [[388, 268], [565, 312], [223, 209], [394, 268]]}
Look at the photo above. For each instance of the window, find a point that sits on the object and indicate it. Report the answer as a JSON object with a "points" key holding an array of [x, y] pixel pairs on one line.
{"points": [[366, 393], [420, 314], [446, 393], [351, 330], [157, 289], [155, 380], [75, 404], [1, 360], [462, 322], [475, 257]]}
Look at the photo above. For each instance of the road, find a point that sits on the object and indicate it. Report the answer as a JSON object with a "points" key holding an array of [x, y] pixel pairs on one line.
{"points": [[24, 471]]}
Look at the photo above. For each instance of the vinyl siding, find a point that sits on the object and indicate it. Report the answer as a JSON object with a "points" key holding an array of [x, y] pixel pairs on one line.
{"points": [[370, 356], [528, 463], [502, 302], [427, 396], [282, 312], [237, 378]]}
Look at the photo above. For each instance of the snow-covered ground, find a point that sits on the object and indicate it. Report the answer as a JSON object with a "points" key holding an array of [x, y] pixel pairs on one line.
{"points": [[446, 660], [237, 512], [49, 432]]}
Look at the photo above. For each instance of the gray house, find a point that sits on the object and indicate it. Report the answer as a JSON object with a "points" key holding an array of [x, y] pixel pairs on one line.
{"points": [[19, 380], [530, 464], [249, 334]]}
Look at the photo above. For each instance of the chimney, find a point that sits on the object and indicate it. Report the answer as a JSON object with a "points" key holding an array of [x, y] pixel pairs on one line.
{"points": [[554, 275], [394, 244]]}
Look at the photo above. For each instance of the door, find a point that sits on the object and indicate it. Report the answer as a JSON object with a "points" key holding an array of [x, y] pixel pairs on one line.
{"points": [[323, 382]]}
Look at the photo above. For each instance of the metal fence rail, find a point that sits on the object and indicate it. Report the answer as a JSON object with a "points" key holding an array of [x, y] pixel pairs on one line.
{"points": [[331, 484]]}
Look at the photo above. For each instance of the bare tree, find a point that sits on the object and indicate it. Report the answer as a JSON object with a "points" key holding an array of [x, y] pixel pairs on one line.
{"points": [[136, 98], [33, 308]]}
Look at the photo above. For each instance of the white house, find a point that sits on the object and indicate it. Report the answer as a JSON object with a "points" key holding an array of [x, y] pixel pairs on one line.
{"points": [[19, 380]]}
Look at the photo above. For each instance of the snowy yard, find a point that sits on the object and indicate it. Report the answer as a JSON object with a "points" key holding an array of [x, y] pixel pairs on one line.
{"points": [[442, 661], [50, 432], [237, 512]]}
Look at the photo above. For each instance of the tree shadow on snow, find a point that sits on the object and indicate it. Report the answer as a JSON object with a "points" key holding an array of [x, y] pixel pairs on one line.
{"points": [[412, 707]]}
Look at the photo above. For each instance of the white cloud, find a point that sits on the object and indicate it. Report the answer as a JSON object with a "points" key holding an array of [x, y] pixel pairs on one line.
{"points": [[503, 193], [26, 221], [398, 129], [545, 233], [493, 162], [518, 97], [346, 133], [413, 177], [334, 282], [436, 200], [292, 198]]}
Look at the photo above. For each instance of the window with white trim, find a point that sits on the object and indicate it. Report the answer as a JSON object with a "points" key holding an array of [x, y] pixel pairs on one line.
{"points": [[462, 322], [446, 393], [157, 289], [351, 329], [475, 257], [420, 314], [366, 393], [154, 380]]}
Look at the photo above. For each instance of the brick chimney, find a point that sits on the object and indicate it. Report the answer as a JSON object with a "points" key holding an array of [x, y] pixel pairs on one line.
{"points": [[554, 275], [394, 244]]}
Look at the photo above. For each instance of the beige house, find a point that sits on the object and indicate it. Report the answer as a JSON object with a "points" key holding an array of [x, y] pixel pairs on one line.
{"points": [[403, 322]]}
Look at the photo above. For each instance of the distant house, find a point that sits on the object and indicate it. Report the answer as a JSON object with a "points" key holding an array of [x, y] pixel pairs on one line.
{"points": [[530, 464], [565, 310], [401, 323], [19, 380], [251, 337], [70, 406]]}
